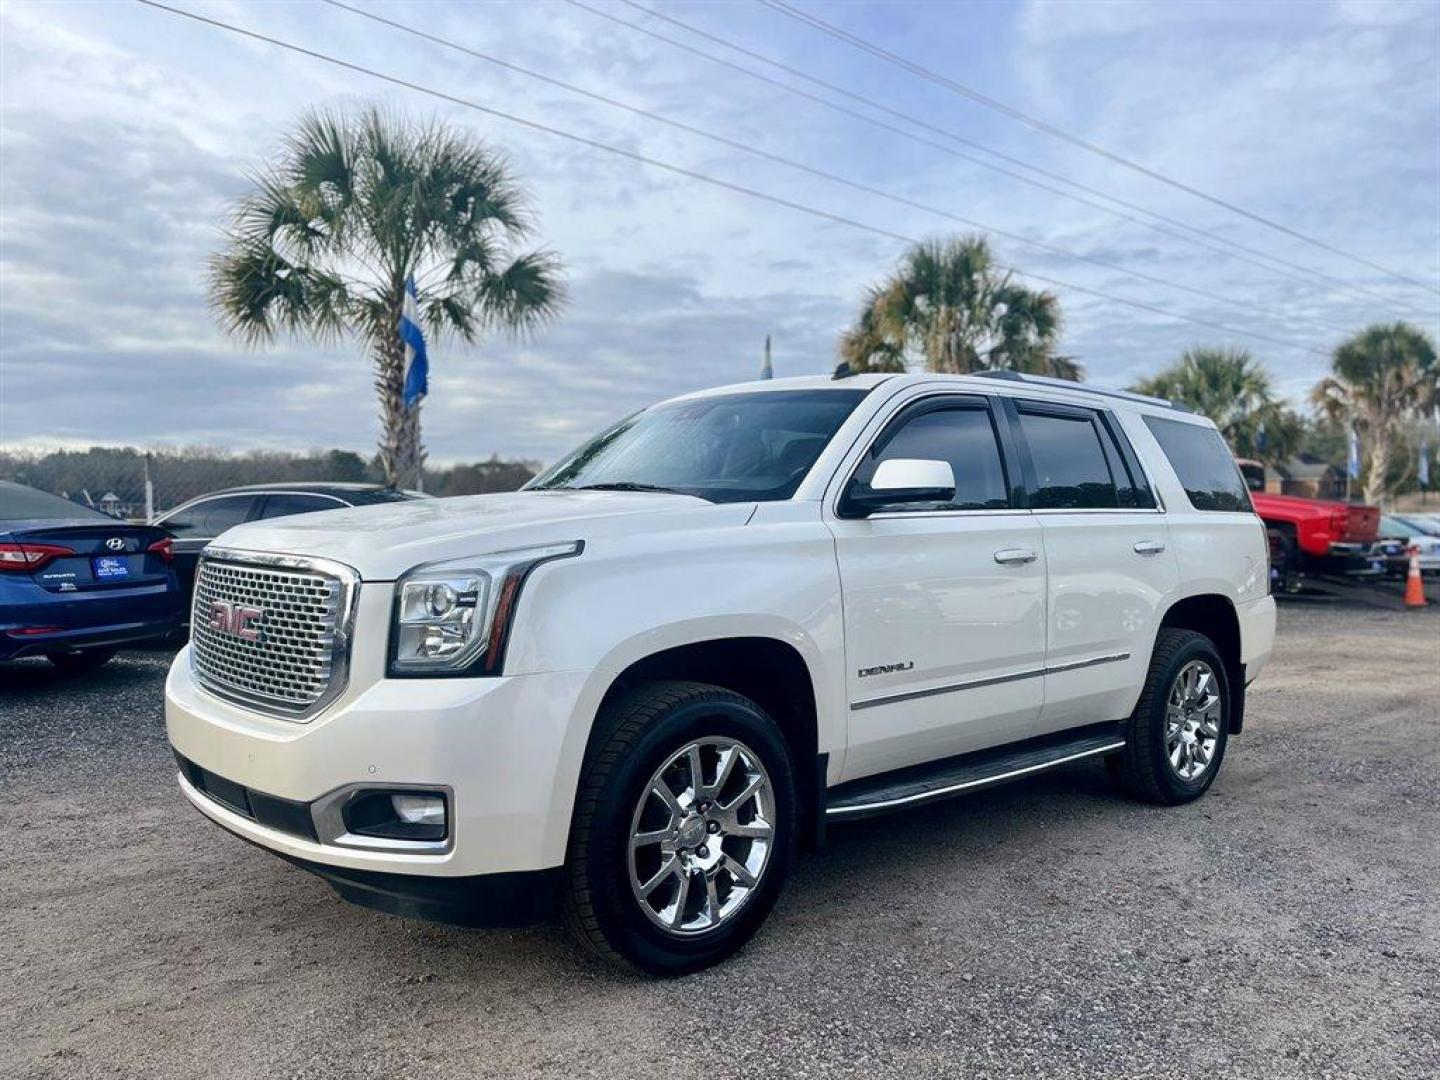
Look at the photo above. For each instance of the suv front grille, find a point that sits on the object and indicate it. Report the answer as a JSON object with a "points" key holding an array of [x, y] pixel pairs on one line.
{"points": [[271, 632]]}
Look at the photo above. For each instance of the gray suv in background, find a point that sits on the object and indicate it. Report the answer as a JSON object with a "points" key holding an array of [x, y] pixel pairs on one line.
{"points": [[195, 523]]}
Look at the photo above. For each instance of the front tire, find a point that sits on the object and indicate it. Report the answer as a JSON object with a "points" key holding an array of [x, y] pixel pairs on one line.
{"points": [[684, 828], [1176, 737], [81, 661]]}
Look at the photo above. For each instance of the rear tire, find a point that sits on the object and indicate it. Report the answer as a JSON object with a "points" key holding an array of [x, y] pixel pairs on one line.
{"points": [[1285, 554], [81, 661], [659, 882], [1176, 737]]}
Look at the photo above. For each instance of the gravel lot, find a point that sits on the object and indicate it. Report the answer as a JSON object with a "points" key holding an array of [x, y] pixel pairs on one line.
{"points": [[1286, 925]]}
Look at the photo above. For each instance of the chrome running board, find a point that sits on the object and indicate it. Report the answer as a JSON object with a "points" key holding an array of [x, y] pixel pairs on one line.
{"points": [[920, 784]]}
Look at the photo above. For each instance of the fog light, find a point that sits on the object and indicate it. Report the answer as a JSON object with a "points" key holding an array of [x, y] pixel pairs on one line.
{"points": [[397, 815], [419, 809]]}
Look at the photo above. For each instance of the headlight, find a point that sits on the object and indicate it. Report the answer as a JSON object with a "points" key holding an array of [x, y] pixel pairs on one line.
{"points": [[453, 618]]}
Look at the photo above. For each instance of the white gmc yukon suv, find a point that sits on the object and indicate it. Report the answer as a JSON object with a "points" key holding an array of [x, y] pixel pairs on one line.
{"points": [[635, 688]]}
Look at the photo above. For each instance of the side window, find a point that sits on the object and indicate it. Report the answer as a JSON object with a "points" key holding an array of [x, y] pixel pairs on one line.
{"points": [[1204, 464], [1130, 482], [210, 518], [285, 504], [1072, 468], [185, 522], [962, 436]]}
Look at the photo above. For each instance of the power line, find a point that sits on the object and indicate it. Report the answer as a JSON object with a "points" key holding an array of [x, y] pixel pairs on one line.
{"points": [[1230, 248], [1050, 129], [692, 174], [755, 151]]}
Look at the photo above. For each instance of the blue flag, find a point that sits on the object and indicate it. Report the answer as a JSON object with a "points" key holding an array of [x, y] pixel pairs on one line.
{"points": [[417, 364], [1352, 465], [1424, 469], [767, 371]]}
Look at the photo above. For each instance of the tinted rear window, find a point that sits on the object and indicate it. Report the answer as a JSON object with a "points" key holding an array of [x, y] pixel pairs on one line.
{"points": [[18, 502], [1204, 464], [287, 503], [373, 498]]}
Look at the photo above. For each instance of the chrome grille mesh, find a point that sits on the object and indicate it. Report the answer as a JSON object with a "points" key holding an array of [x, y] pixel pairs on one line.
{"points": [[292, 662]]}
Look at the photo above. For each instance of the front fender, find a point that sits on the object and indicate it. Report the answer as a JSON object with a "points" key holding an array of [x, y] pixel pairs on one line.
{"points": [[627, 598]]}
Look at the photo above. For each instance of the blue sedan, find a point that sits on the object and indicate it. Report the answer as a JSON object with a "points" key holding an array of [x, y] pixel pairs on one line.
{"points": [[75, 584]]}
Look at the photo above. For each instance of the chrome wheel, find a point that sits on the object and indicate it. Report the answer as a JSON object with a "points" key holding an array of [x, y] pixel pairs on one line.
{"points": [[701, 835], [1192, 720]]}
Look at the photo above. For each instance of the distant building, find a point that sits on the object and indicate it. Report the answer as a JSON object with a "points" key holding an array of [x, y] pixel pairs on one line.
{"points": [[1303, 479], [110, 504], [1307, 479]]}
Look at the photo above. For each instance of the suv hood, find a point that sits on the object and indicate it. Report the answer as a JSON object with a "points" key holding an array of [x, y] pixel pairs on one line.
{"points": [[383, 542]]}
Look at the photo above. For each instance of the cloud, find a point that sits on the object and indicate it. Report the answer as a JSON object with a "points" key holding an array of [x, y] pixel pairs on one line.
{"points": [[125, 133]]}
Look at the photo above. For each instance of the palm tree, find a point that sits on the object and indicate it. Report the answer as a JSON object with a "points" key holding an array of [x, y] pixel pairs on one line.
{"points": [[354, 206], [1232, 389], [1382, 376], [949, 307]]}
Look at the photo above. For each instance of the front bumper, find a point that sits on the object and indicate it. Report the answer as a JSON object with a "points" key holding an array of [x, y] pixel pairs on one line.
{"points": [[1348, 549], [1400, 564], [507, 749], [503, 899]]}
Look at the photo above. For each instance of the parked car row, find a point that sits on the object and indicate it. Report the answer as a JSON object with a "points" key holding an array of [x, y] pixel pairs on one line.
{"points": [[1311, 535], [1315, 535], [195, 523], [1398, 534], [77, 584]]}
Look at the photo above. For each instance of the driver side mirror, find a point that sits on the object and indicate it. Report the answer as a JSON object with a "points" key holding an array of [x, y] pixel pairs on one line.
{"points": [[901, 482]]}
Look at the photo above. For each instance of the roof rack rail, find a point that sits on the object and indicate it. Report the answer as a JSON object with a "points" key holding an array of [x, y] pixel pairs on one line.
{"points": [[1069, 384]]}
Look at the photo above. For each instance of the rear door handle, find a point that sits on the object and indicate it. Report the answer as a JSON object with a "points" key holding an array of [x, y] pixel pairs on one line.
{"points": [[1149, 547], [1015, 556]]}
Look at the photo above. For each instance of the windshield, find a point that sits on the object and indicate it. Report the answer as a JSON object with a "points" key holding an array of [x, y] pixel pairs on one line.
{"points": [[750, 447], [1428, 528]]}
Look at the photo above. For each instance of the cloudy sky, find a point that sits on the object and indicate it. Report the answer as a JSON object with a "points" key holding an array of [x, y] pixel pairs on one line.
{"points": [[127, 131]]}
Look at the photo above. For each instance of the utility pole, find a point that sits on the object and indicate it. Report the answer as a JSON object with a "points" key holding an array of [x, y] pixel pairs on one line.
{"points": [[149, 492]]}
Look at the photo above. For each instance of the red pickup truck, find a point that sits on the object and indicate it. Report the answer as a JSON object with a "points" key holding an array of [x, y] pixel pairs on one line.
{"points": [[1311, 535]]}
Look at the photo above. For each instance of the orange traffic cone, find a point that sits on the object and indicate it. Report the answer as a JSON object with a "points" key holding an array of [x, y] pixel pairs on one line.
{"points": [[1414, 587]]}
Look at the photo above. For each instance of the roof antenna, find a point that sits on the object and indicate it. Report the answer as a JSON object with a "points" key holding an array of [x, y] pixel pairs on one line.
{"points": [[842, 370]]}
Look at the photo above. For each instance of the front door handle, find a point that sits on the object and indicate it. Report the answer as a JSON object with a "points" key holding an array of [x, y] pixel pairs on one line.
{"points": [[1015, 556], [1149, 547]]}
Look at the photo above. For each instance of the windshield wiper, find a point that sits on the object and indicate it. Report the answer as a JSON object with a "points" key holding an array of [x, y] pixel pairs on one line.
{"points": [[630, 485]]}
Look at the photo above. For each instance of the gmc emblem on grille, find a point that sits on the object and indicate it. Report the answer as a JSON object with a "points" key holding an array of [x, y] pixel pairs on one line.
{"points": [[238, 620]]}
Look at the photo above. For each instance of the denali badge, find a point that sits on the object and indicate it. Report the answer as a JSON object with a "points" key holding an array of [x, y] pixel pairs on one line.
{"points": [[885, 669], [116, 543], [236, 619]]}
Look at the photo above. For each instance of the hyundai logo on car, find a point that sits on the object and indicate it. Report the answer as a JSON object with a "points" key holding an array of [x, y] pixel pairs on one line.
{"points": [[116, 543]]}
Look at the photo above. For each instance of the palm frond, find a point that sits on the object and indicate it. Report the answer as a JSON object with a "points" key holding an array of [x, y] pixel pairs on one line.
{"points": [[257, 294], [948, 305], [525, 295]]}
